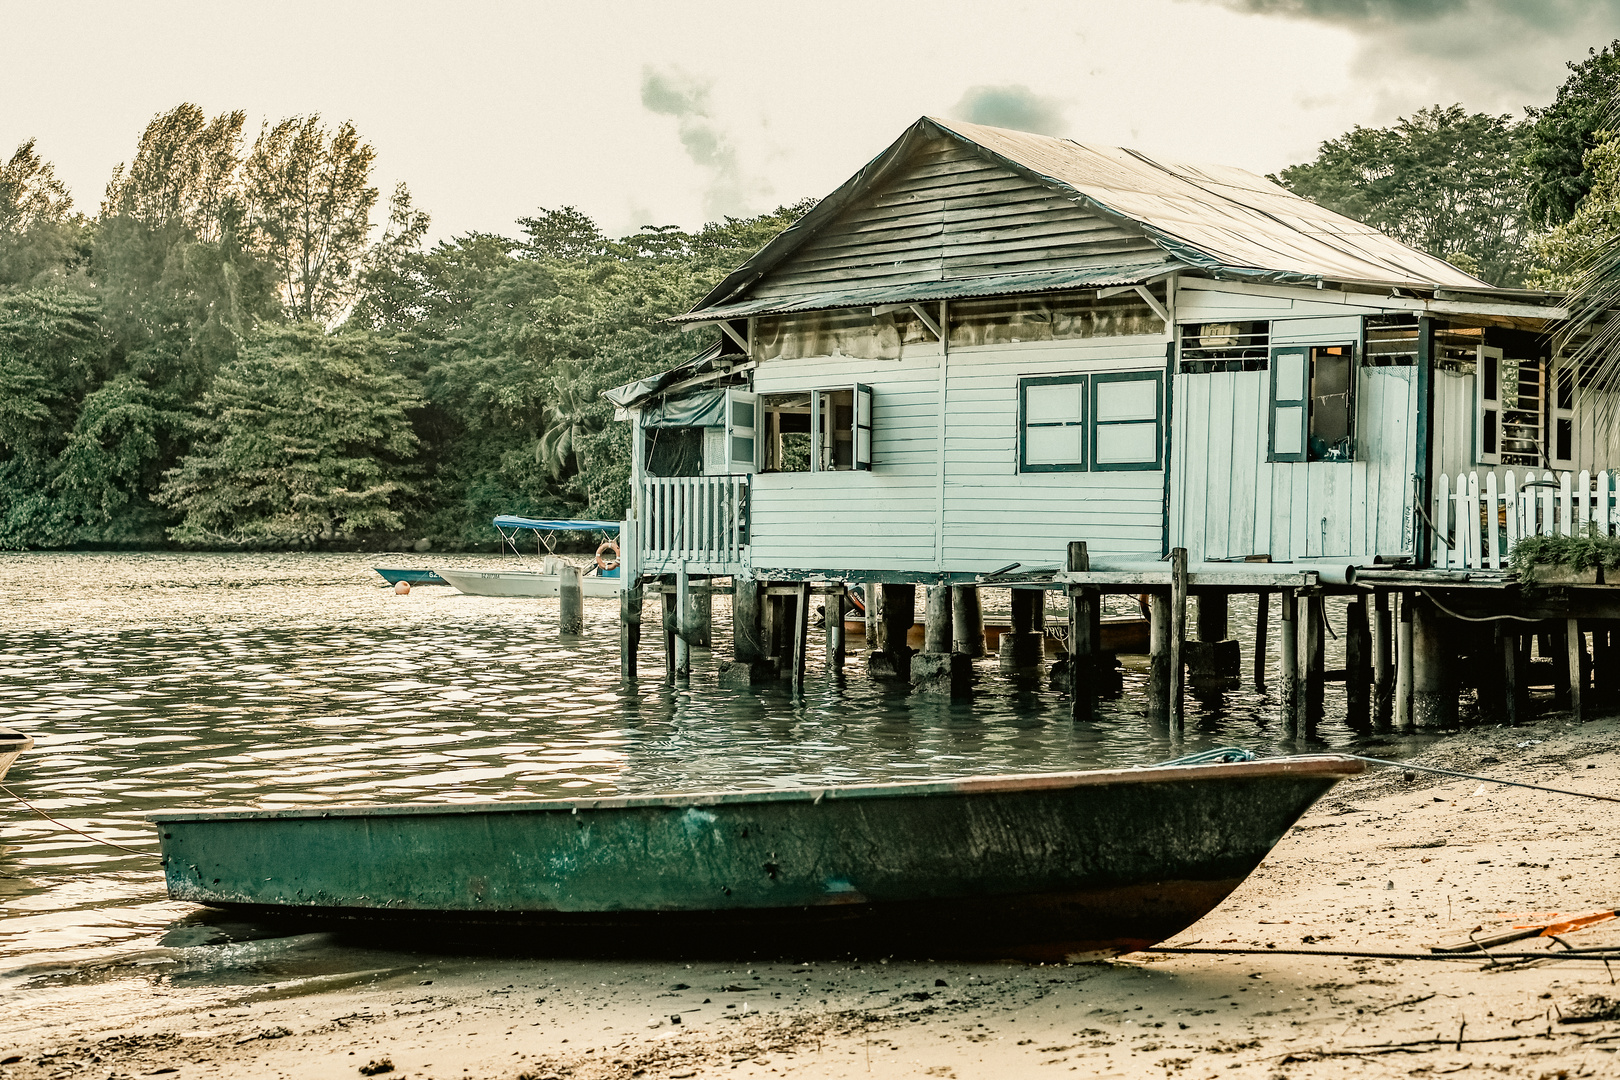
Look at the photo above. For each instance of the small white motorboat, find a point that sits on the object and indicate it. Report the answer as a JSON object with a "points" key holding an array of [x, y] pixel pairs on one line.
{"points": [[12, 743], [523, 582], [601, 580]]}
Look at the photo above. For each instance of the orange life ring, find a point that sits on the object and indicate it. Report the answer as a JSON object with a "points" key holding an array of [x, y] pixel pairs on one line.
{"points": [[611, 562]]}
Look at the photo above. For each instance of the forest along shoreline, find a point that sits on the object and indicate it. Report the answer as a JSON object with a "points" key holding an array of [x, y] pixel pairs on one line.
{"points": [[1383, 863]]}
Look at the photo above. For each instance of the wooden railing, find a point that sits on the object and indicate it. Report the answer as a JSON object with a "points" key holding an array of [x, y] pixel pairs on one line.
{"points": [[701, 520], [1502, 510]]}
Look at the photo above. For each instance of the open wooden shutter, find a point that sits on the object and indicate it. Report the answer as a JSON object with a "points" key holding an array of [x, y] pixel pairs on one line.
{"points": [[742, 426], [1290, 394], [1488, 407], [863, 426], [1561, 414]]}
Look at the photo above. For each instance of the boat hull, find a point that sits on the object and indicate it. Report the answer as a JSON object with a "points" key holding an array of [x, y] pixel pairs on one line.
{"points": [[1043, 867], [524, 583], [12, 745], [411, 577]]}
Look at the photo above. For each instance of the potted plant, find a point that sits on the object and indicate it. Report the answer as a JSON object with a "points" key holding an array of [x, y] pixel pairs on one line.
{"points": [[1566, 560]]}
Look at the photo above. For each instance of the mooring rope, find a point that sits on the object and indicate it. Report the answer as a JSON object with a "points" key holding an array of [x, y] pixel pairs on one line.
{"points": [[1476, 956], [1482, 779], [81, 832]]}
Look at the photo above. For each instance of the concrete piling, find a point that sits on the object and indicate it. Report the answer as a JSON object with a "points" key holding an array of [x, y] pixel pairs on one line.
{"points": [[967, 622], [1289, 672], [1383, 688], [1023, 647], [896, 613], [1434, 700], [571, 600], [937, 671], [1158, 706]]}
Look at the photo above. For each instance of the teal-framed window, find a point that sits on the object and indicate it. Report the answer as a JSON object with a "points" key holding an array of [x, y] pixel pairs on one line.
{"points": [[1052, 423], [1110, 421], [1127, 410]]}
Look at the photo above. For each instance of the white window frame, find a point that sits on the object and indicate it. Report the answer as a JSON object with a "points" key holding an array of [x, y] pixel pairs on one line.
{"points": [[1488, 409]]}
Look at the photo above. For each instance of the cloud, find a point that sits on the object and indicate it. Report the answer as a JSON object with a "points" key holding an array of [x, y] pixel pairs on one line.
{"points": [[674, 92], [1011, 106], [1490, 55]]}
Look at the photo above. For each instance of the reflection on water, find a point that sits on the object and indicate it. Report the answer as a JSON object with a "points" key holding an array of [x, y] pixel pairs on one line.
{"points": [[160, 680]]}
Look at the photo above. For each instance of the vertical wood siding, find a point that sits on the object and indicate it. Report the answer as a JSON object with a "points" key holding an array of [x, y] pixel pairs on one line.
{"points": [[950, 213]]}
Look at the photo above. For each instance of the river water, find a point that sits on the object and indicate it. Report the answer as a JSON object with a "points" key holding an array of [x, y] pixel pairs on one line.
{"points": [[165, 680]]}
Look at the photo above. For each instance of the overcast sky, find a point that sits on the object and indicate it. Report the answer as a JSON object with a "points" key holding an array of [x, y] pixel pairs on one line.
{"points": [[677, 112]]}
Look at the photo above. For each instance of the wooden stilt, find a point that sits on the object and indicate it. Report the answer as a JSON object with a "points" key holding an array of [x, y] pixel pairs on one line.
{"points": [[833, 616], [1262, 650], [1178, 636], [1357, 666], [629, 629], [666, 624], [1289, 668], [1082, 645], [1315, 663], [1577, 648], [1508, 642], [1383, 667], [1159, 656], [683, 615], [801, 633], [1403, 667]]}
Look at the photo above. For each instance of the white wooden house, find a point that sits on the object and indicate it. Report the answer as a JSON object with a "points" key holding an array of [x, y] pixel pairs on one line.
{"points": [[989, 343]]}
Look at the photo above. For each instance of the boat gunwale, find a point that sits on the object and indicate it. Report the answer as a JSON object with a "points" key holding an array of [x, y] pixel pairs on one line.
{"points": [[1312, 765]]}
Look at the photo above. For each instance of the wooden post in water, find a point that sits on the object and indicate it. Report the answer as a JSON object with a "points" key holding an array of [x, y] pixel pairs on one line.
{"points": [[1262, 616], [1403, 667], [1158, 706], [833, 615], [801, 633], [570, 600], [937, 619], [747, 643], [1383, 668], [1357, 666], [629, 629], [967, 622], [683, 614], [1576, 642], [890, 658], [1315, 662], [666, 625], [1289, 672], [1083, 603], [1178, 637]]}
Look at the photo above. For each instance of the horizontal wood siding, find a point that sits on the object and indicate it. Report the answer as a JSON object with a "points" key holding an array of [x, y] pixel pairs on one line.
{"points": [[1200, 305], [882, 519], [994, 515], [950, 213]]}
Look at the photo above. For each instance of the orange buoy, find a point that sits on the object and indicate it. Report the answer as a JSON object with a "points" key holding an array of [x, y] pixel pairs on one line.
{"points": [[402, 588]]}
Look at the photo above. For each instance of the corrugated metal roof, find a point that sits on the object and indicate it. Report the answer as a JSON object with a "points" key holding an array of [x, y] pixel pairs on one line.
{"points": [[957, 288], [1232, 216], [1216, 218]]}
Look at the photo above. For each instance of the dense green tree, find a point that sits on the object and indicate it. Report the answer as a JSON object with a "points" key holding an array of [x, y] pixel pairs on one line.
{"points": [[1445, 181], [1565, 252], [1561, 135], [50, 354], [39, 236], [304, 437], [310, 198]]}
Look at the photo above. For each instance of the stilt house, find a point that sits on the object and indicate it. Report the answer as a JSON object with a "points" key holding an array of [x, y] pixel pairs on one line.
{"points": [[988, 343]]}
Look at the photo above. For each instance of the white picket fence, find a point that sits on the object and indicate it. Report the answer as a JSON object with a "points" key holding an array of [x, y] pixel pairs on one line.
{"points": [[698, 520], [1503, 510]]}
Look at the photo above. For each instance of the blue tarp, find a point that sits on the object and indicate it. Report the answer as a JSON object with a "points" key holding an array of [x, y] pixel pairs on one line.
{"points": [[560, 525]]}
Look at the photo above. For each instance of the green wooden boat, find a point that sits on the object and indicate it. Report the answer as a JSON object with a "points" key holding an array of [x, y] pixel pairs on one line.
{"points": [[1047, 867]]}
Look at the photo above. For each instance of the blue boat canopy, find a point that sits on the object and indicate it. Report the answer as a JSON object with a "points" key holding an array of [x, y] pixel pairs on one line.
{"points": [[557, 525]]}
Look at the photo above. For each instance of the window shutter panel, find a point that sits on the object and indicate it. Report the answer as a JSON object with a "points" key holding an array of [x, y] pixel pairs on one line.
{"points": [[1290, 405], [1488, 407], [863, 426], [742, 425]]}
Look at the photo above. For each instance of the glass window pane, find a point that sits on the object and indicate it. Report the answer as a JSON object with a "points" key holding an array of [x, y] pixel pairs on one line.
{"points": [[1291, 376], [1053, 402], [1290, 434], [1127, 444], [1133, 399], [1058, 445]]}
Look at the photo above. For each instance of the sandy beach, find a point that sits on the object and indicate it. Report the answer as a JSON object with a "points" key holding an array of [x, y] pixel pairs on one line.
{"points": [[1384, 863]]}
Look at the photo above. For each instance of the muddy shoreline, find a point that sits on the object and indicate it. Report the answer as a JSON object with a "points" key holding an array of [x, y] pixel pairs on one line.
{"points": [[1384, 863]]}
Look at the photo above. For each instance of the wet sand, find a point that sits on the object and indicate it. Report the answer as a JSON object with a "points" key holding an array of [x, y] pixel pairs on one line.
{"points": [[1382, 864]]}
